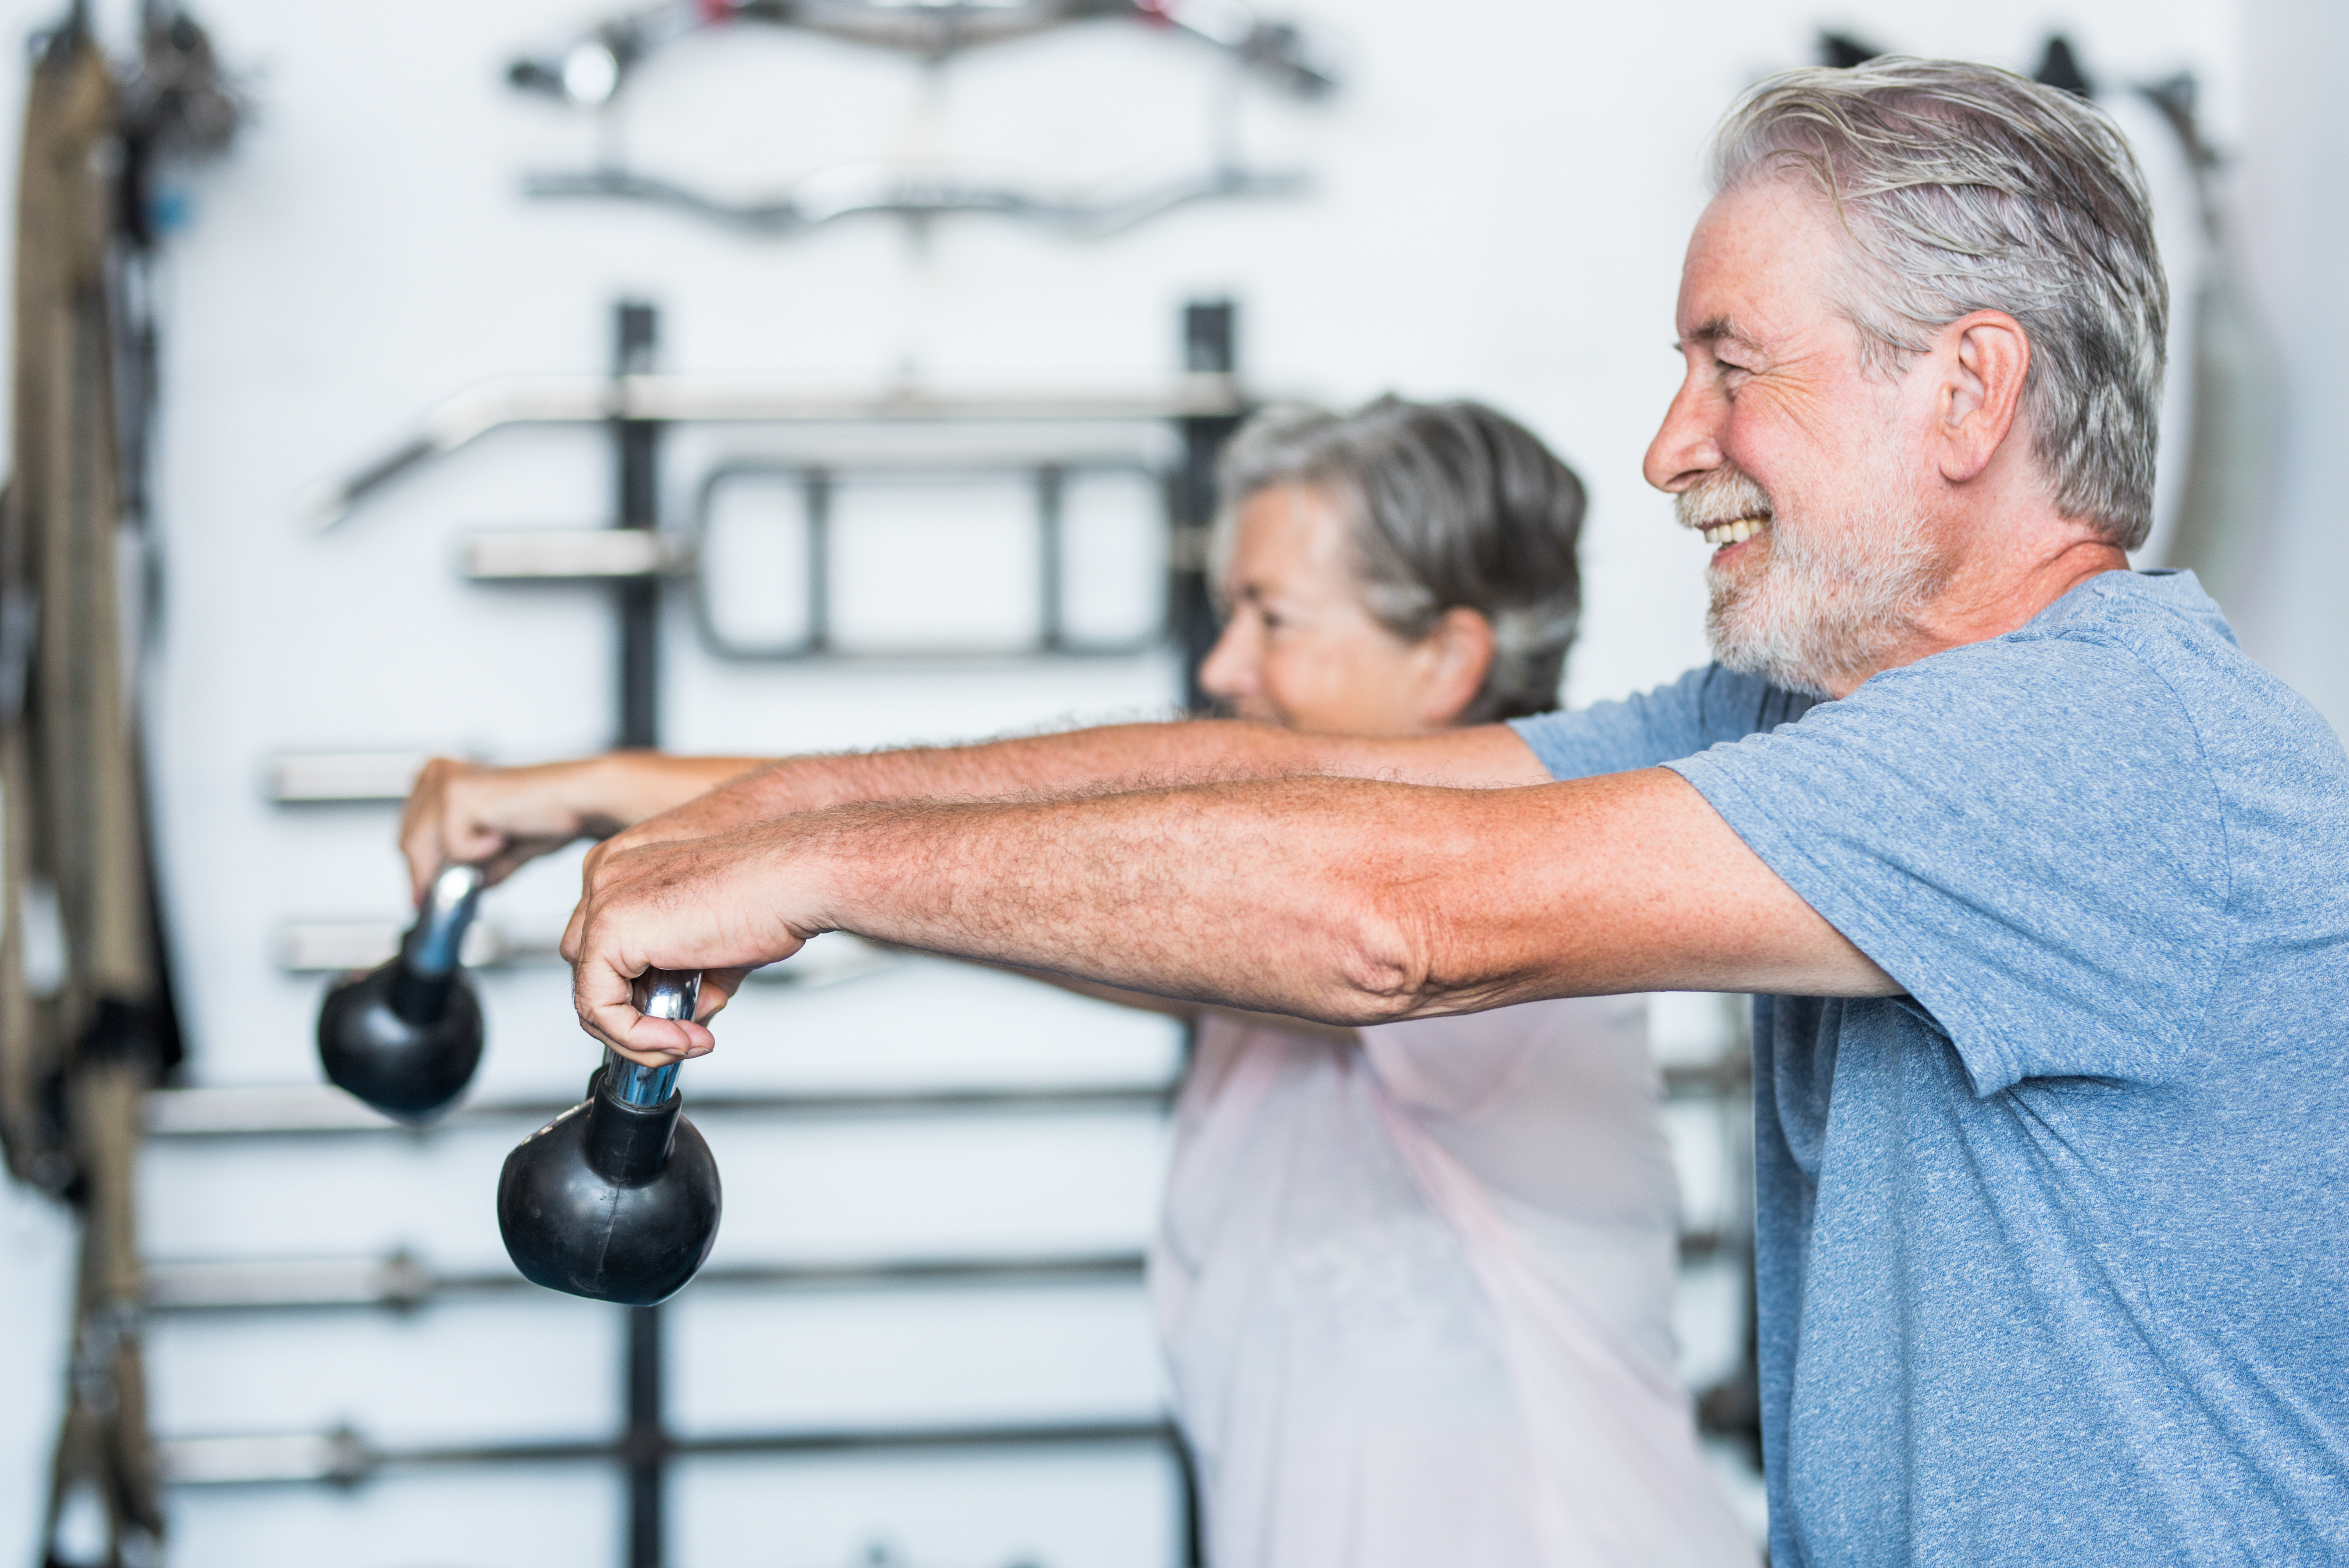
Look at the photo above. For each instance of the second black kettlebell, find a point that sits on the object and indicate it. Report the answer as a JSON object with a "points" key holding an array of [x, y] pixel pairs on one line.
{"points": [[405, 1036]]}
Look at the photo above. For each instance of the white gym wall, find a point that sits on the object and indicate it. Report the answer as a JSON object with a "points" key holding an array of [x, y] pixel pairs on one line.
{"points": [[1500, 196]]}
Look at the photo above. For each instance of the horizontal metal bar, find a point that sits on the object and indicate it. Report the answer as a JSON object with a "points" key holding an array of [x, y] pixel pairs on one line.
{"points": [[1047, 1434], [309, 1109], [337, 778], [574, 554], [343, 1458], [964, 659], [401, 1282], [589, 399], [875, 189], [312, 1109], [1708, 1080], [1070, 1269], [333, 946]]}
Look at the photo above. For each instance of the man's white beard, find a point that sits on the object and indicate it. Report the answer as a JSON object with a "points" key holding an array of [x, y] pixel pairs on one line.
{"points": [[1830, 598]]}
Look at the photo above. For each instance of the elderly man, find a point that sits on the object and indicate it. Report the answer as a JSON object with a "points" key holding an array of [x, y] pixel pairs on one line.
{"points": [[2043, 901]]}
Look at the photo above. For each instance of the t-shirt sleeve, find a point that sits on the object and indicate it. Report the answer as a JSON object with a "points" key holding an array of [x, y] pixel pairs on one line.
{"points": [[1701, 708], [2022, 833]]}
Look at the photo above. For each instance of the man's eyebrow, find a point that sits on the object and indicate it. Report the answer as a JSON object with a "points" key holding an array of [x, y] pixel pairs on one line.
{"points": [[1718, 329]]}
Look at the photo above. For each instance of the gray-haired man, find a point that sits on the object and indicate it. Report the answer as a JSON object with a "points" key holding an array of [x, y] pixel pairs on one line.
{"points": [[2045, 902]]}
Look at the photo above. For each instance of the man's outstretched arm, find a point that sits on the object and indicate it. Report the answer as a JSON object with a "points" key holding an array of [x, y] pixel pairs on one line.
{"points": [[1343, 901], [503, 815]]}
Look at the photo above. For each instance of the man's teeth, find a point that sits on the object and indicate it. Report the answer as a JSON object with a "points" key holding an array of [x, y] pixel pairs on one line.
{"points": [[1745, 528]]}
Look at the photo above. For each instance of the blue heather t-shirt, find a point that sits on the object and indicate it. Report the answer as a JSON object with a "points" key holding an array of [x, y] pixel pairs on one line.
{"points": [[2053, 1253]]}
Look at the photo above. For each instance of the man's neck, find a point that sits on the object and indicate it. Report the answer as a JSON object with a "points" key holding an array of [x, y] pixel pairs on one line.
{"points": [[1988, 594]]}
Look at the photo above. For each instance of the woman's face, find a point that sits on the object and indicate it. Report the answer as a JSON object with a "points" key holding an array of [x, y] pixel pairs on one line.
{"points": [[1302, 650]]}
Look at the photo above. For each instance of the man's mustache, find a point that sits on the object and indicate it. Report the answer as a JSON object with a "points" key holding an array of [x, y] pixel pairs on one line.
{"points": [[1725, 495]]}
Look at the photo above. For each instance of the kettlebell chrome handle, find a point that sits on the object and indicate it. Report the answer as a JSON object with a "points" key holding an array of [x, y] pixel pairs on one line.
{"points": [[658, 994], [433, 948]]}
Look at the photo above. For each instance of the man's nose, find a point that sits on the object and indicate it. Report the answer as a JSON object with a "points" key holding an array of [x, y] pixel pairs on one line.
{"points": [[1688, 446], [1227, 672]]}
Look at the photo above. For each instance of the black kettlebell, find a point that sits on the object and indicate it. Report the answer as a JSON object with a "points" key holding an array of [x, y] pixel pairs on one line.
{"points": [[616, 1199], [406, 1035]]}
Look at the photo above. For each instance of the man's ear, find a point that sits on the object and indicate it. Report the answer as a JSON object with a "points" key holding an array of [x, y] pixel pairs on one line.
{"points": [[1456, 654], [1983, 359]]}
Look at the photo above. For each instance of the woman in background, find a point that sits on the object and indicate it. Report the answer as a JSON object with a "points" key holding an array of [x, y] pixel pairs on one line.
{"points": [[1414, 1281]]}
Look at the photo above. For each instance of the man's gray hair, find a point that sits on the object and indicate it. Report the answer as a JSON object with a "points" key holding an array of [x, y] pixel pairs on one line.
{"points": [[1967, 188], [1450, 506]]}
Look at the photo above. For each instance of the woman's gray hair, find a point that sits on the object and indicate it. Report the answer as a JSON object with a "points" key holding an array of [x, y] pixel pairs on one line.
{"points": [[1967, 188], [1450, 506]]}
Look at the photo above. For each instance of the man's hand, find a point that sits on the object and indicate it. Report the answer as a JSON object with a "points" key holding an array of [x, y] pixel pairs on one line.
{"points": [[713, 904]]}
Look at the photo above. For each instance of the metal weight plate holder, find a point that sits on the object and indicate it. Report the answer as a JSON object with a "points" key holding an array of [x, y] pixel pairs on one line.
{"points": [[592, 69], [818, 484]]}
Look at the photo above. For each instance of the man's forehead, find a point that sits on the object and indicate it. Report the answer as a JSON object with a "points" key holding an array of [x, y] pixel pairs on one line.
{"points": [[1754, 265]]}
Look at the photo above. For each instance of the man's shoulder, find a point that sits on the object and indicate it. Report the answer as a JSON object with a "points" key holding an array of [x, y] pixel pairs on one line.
{"points": [[2124, 637], [2129, 676], [2162, 618], [2152, 611]]}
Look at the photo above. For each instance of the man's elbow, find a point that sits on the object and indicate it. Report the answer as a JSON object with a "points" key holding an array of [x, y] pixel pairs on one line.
{"points": [[1383, 973]]}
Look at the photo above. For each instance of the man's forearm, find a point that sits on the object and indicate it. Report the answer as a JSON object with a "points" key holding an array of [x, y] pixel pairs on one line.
{"points": [[1347, 901], [1308, 897], [1163, 892]]}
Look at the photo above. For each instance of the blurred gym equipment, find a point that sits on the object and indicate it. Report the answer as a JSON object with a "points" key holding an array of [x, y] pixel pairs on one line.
{"points": [[589, 71], [616, 1199], [406, 1037], [1205, 393], [2232, 449], [648, 1446], [86, 1020], [842, 192], [1202, 407]]}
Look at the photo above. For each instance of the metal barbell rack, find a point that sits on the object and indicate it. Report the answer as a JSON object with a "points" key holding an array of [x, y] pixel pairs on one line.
{"points": [[631, 559]]}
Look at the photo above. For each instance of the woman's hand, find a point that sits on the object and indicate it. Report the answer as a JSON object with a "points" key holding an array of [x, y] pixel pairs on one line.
{"points": [[497, 818]]}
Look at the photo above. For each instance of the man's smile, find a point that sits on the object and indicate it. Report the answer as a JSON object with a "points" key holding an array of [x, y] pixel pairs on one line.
{"points": [[1725, 508], [1735, 531]]}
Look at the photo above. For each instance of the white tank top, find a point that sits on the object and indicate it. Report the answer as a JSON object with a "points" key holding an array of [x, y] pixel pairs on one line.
{"points": [[1416, 1296]]}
